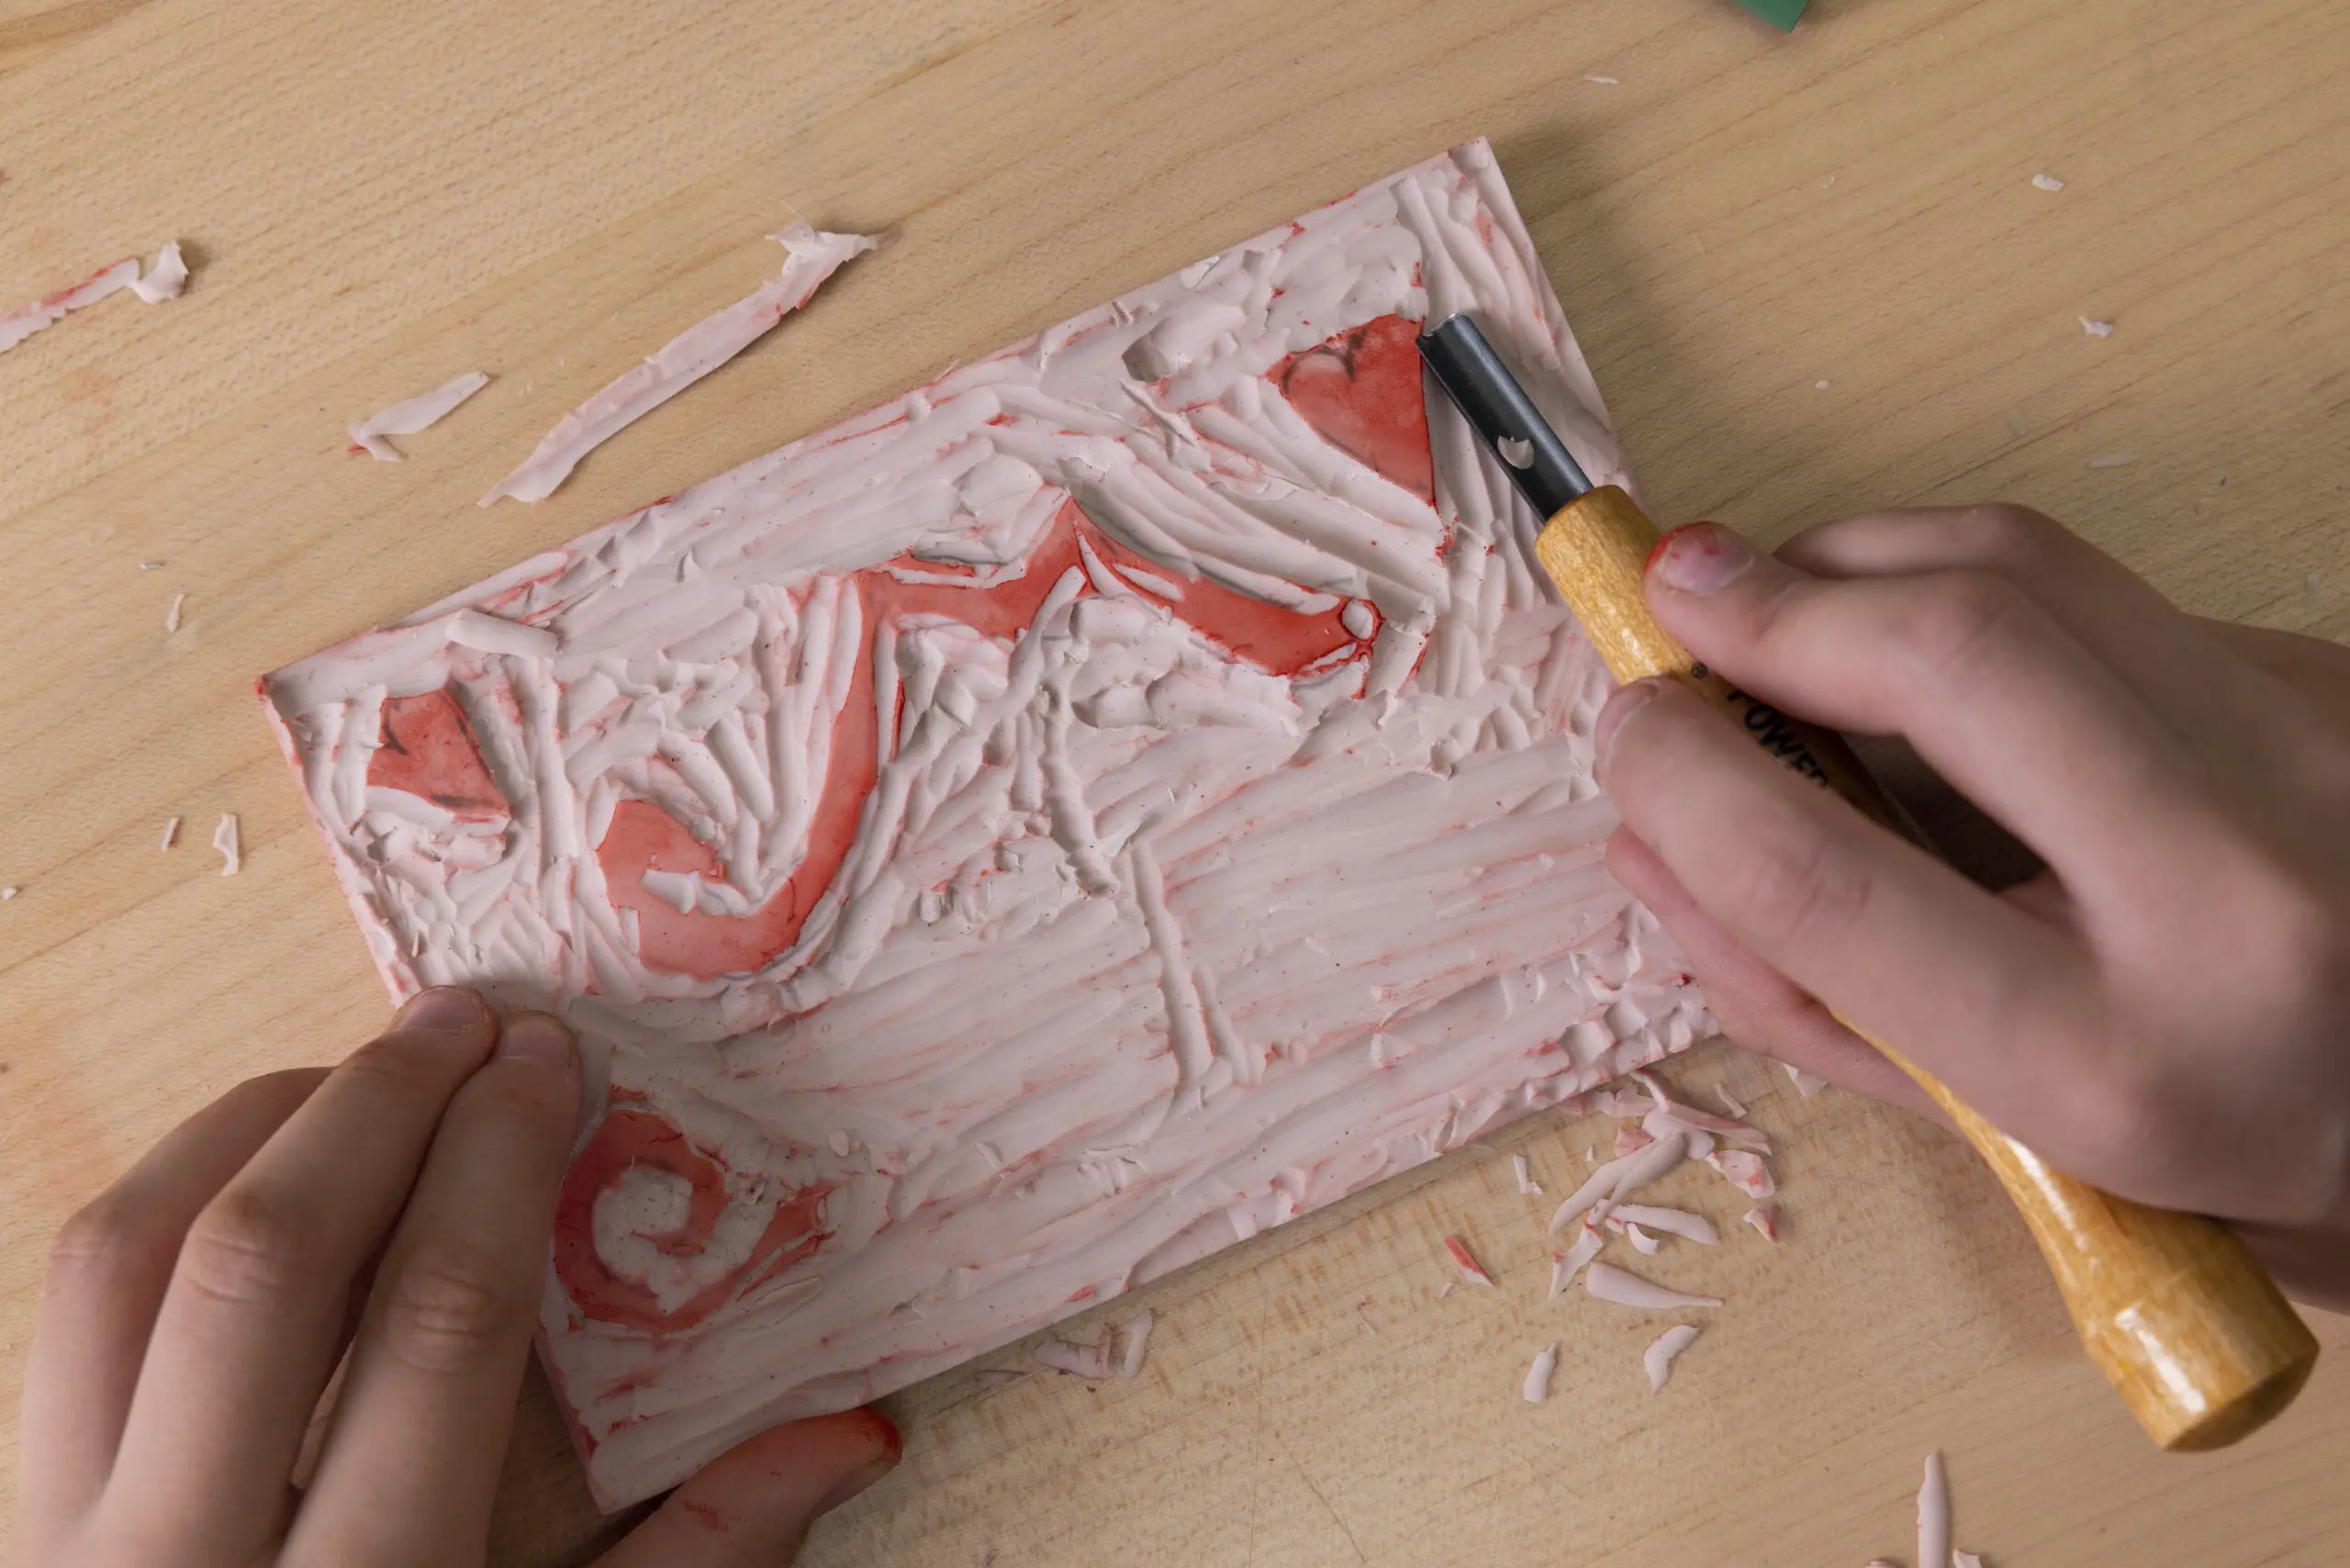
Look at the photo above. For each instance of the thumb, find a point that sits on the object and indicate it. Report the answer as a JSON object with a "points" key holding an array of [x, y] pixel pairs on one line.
{"points": [[750, 1506]]}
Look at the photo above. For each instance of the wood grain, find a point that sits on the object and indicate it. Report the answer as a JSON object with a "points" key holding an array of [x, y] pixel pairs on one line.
{"points": [[28, 32], [379, 196]]}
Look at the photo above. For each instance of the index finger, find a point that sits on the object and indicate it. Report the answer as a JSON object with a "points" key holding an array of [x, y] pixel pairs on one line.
{"points": [[259, 1300], [2178, 665], [754, 1503], [411, 1461], [1988, 688]]}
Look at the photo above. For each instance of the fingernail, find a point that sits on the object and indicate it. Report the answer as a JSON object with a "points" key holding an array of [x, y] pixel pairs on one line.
{"points": [[444, 1010], [535, 1038], [1703, 557], [1625, 702], [883, 1432], [893, 1442]]}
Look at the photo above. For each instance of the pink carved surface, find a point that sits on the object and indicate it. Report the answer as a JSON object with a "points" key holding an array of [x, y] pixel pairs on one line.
{"points": [[1128, 793]]}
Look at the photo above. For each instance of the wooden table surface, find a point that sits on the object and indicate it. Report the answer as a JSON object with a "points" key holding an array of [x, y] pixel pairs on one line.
{"points": [[1812, 274]]}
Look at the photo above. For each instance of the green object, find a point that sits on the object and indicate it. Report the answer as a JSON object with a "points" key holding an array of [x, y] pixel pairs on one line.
{"points": [[1780, 13]]}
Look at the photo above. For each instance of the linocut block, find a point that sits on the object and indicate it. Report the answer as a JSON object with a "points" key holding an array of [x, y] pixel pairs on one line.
{"points": [[1125, 793]]}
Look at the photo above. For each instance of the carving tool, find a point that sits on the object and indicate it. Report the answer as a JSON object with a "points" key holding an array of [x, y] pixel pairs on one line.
{"points": [[2200, 1343]]}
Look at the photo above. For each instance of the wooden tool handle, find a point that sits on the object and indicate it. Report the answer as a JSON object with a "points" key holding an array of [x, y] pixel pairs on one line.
{"points": [[2197, 1340]]}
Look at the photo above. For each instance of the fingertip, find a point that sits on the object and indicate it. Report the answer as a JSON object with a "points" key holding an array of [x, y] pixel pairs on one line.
{"points": [[1621, 704], [822, 1462], [884, 1431], [1664, 542], [1724, 599], [855, 1448], [540, 1039], [443, 1010], [545, 1048], [1699, 559], [832, 1457]]}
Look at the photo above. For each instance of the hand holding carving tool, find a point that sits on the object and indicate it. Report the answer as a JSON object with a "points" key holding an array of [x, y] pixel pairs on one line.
{"points": [[2197, 1340]]}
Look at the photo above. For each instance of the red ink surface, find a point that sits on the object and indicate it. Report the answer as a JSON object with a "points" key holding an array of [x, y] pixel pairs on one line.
{"points": [[1690, 540], [630, 1138], [783, 1454], [426, 748], [1002, 610], [1361, 392], [63, 296], [701, 1513], [1270, 636], [1657, 548], [1467, 1260], [885, 1432], [643, 837]]}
